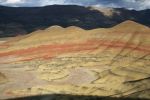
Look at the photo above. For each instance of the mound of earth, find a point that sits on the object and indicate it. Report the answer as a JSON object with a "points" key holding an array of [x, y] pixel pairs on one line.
{"points": [[104, 62]]}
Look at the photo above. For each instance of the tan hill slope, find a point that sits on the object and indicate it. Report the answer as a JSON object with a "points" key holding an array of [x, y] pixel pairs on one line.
{"points": [[3, 79], [104, 62], [131, 26]]}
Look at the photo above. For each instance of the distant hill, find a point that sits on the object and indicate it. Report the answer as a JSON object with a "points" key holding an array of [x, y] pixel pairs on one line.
{"points": [[22, 20]]}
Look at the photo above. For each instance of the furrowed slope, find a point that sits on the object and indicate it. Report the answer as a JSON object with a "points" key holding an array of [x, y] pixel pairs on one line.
{"points": [[104, 62]]}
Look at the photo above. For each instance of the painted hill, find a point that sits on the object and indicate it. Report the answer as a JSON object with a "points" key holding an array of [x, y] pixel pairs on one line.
{"points": [[104, 62], [131, 26], [16, 21], [3, 79]]}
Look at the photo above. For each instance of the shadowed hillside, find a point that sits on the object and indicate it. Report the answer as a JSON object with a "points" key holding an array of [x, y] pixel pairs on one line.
{"points": [[73, 97], [22, 20]]}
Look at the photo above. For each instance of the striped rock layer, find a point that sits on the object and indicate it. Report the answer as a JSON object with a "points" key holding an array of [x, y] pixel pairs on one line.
{"points": [[104, 62]]}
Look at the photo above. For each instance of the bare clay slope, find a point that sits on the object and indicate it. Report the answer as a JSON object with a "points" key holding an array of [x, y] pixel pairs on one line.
{"points": [[104, 62], [3, 79]]}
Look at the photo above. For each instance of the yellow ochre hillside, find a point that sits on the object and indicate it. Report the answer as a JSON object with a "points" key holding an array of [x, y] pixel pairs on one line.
{"points": [[104, 62]]}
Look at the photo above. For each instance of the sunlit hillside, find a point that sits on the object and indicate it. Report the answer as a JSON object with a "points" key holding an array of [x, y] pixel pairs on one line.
{"points": [[103, 62]]}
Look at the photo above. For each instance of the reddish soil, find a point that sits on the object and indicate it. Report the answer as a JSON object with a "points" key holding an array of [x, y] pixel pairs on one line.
{"points": [[48, 51]]}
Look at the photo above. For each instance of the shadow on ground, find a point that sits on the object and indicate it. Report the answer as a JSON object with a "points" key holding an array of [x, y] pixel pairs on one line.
{"points": [[72, 97]]}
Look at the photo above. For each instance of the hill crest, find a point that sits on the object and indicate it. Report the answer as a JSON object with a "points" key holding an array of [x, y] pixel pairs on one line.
{"points": [[130, 25]]}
